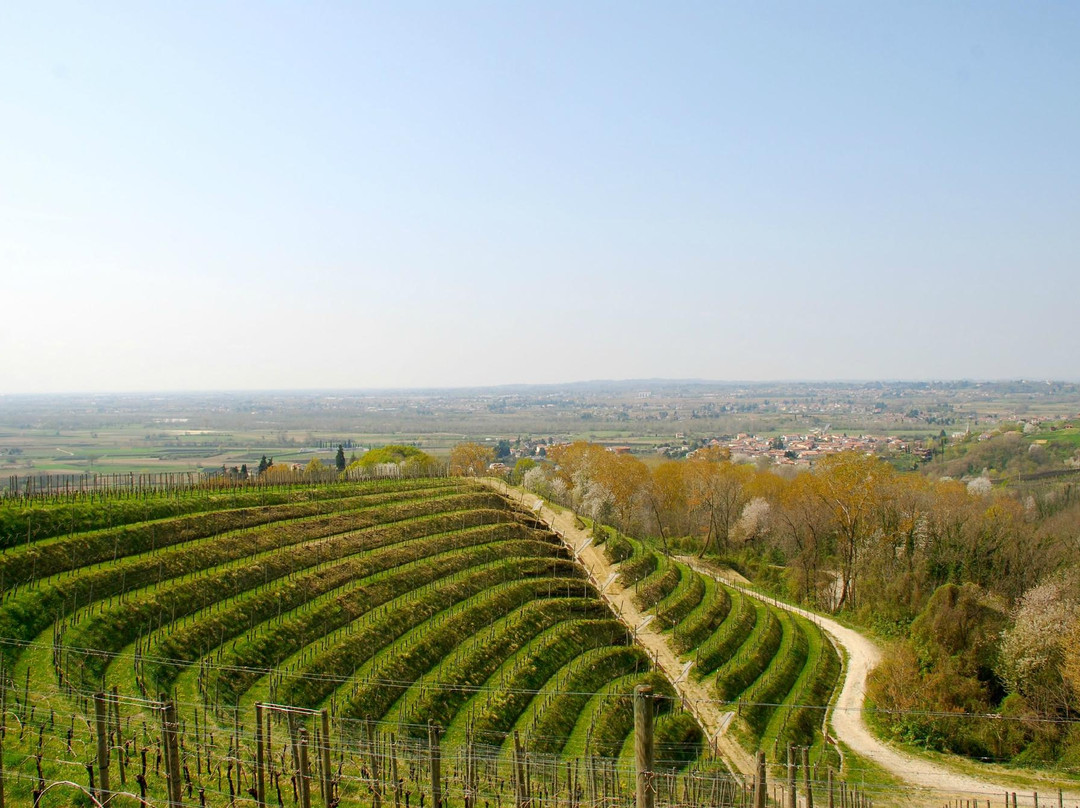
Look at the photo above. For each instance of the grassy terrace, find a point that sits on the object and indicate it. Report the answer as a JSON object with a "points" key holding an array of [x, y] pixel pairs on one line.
{"points": [[776, 670], [389, 604]]}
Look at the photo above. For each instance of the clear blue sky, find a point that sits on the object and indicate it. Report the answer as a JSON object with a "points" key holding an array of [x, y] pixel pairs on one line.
{"points": [[308, 195]]}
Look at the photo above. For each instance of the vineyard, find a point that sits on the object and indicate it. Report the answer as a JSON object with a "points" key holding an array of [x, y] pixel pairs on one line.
{"points": [[775, 671], [396, 640], [354, 619]]}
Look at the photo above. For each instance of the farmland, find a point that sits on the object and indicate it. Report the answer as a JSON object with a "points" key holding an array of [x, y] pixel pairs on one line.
{"points": [[362, 620], [201, 433], [394, 608]]}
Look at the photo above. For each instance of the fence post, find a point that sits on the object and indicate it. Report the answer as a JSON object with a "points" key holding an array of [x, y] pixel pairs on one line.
{"points": [[393, 771], [792, 799], [328, 780], [806, 777], [305, 773], [3, 730], [520, 799], [260, 758], [436, 766], [169, 730], [101, 726], [761, 786], [643, 745], [376, 782], [115, 701]]}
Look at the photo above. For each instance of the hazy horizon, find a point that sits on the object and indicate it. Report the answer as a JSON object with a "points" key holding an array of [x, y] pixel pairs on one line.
{"points": [[580, 383], [413, 196]]}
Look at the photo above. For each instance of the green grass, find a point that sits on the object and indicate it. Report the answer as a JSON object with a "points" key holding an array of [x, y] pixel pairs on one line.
{"points": [[705, 619], [683, 600], [724, 643], [659, 584], [439, 695], [777, 680]]}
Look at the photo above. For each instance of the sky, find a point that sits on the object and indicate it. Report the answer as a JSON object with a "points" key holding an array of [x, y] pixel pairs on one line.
{"points": [[323, 195]]}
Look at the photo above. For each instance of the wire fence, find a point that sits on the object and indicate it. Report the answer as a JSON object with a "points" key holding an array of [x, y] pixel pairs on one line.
{"points": [[72, 487]]}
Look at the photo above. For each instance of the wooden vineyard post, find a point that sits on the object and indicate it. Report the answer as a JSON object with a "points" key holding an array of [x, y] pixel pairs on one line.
{"points": [[328, 780], [169, 729], [792, 800], [760, 784], [519, 773], [467, 795], [831, 789], [393, 770], [806, 777], [643, 746], [102, 728], [376, 784], [121, 747], [436, 766], [305, 774], [260, 758]]}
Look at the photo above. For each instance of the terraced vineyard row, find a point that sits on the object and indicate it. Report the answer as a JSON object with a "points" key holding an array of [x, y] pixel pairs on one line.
{"points": [[374, 611], [777, 671]]}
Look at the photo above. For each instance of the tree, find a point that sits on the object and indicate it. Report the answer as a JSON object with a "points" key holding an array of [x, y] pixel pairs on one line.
{"points": [[1070, 664], [664, 496], [315, 469], [280, 473], [576, 465], [1033, 661], [339, 459], [717, 492], [962, 623], [470, 459], [626, 478], [408, 458], [802, 522], [263, 465], [849, 484], [520, 468]]}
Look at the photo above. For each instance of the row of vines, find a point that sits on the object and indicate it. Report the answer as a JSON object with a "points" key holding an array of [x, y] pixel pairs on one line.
{"points": [[776, 671], [386, 608]]}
